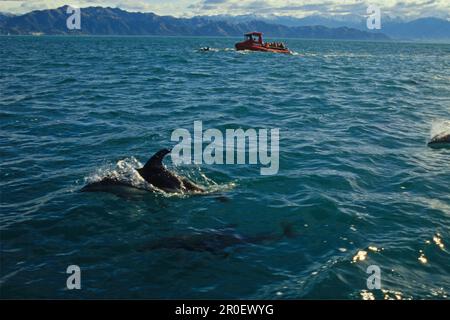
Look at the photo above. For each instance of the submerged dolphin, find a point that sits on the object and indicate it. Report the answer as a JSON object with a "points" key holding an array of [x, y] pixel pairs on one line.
{"points": [[155, 173], [440, 141], [216, 240]]}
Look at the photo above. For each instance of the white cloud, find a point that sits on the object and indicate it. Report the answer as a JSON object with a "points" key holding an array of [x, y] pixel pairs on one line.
{"points": [[299, 8]]}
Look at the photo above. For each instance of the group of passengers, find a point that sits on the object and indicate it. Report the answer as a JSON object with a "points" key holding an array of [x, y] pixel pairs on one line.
{"points": [[278, 45]]}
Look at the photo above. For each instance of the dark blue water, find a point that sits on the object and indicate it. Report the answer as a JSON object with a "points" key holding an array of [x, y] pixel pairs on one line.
{"points": [[357, 182]]}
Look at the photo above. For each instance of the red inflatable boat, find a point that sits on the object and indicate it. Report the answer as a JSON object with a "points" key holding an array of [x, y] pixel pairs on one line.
{"points": [[254, 42]]}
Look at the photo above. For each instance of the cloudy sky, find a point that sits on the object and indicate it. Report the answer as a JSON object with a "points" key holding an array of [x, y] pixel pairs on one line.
{"points": [[298, 8]]}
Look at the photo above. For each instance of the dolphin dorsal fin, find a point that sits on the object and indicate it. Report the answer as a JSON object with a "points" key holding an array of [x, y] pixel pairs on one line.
{"points": [[157, 158]]}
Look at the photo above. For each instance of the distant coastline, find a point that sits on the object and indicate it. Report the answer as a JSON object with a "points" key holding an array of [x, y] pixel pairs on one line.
{"points": [[412, 41]]}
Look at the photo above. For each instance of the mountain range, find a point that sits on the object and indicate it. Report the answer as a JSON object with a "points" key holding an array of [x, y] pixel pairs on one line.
{"points": [[429, 28], [115, 21]]}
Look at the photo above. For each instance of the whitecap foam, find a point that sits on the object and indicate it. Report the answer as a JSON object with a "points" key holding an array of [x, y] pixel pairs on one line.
{"points": [[439, 127], [123, 171]]}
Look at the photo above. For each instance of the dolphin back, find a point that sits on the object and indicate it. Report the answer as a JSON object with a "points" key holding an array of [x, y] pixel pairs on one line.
{"points": [[440, 141], [155, 173]]}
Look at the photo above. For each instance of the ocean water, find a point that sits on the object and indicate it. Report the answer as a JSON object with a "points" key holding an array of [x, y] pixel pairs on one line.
{"points": [[357, 183]]}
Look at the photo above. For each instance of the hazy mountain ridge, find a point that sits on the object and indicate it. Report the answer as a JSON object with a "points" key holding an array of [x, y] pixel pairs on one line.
{"points": [[5, 15], [114, 21], [429, 28]]}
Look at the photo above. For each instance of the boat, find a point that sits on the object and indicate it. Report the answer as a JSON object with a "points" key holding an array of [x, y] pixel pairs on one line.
{"points": [[254, 42]]}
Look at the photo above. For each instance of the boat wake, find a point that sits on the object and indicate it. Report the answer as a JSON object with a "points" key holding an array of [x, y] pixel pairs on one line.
{"points": [[211, 49], [208, 49]]}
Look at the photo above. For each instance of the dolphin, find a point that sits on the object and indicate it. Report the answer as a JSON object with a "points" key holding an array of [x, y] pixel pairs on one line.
{"points": [[441, 140], [153, 172], [216, 240]]}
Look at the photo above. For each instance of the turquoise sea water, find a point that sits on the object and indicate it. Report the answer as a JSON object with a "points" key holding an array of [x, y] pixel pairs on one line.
{"points": [[356, 181]]}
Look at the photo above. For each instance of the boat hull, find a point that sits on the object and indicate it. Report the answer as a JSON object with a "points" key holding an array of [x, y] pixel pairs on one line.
{"points": [[257, 47]]}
